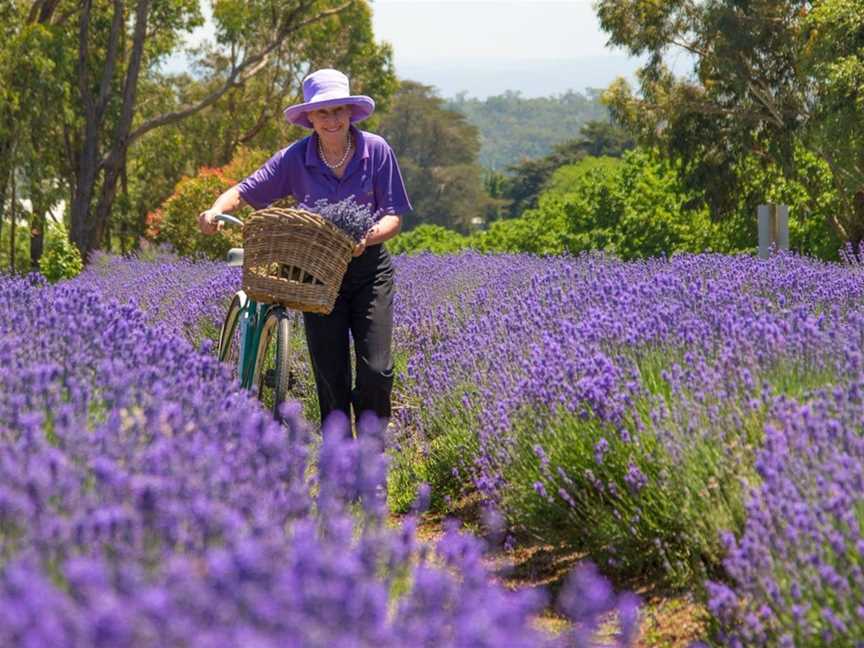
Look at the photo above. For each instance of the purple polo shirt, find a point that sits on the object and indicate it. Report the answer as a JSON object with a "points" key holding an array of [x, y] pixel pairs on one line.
{"points": [[371, 178]]}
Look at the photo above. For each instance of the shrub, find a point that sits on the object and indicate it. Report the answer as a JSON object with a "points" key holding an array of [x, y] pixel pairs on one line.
{"points": [[60, 259], [566, 177], [427, 238], [175, 221]]}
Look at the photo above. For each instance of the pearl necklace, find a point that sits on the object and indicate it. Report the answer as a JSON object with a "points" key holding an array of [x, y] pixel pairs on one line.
{"points": [[344, 157]]}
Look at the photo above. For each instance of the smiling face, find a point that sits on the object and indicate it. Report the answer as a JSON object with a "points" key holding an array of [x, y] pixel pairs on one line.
{"points": [[331, 124]]}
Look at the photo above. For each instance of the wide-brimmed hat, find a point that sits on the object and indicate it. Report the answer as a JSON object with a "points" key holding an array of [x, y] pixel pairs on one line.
{"points": [[325, 88]]}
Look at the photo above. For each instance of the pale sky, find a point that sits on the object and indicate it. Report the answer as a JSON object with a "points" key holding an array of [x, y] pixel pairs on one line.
{"points": [[422, 31], [485, 47]]}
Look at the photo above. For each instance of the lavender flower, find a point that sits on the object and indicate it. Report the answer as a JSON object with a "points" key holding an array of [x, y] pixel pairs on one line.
{"points": [[146, 500], [353, 218]]}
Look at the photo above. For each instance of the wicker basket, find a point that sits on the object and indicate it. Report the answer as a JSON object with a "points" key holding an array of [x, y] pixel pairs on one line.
{"points": [[294, 258]]}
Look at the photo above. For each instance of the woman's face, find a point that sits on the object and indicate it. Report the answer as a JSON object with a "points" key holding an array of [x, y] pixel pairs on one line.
{"points": [[331, 123]]}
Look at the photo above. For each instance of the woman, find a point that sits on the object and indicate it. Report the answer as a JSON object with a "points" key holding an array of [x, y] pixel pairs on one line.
{"points": [[335, 162]]}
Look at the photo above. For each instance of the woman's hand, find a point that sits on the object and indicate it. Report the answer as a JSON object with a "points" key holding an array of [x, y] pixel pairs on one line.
{"points": [[207, 222], [360, 247], [228, 201]]}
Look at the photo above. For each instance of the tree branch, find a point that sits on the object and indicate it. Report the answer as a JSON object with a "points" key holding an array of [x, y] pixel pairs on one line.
{"points": [[41, 10], [240, 74], [762, 96], [690, 48], [110, 59], [83, 83], [256, 127], [130, 88]]}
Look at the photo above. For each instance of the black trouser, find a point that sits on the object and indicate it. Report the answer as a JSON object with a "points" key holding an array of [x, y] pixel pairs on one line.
{"points": [[365, 308]]}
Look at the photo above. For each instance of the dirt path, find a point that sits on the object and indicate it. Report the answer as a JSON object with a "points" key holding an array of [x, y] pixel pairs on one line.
{"points": [[667, 620]]}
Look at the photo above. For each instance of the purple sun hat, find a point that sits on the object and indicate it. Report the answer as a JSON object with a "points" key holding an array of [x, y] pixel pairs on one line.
{"points": [[325, 88]]}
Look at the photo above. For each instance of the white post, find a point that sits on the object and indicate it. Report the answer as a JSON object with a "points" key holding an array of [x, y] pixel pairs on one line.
{"points": [[773, 228], [781, 227]]}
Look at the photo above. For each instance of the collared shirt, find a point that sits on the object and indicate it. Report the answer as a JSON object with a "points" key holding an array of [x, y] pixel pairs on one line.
{"points": [[372, 177]]}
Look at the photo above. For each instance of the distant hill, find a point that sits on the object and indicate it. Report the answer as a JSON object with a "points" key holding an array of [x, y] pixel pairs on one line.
{"points": [[514, 128], [532, 78]]}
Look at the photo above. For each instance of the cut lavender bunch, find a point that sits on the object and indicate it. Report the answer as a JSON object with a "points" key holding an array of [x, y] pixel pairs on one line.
{"points": [[348, 215]]}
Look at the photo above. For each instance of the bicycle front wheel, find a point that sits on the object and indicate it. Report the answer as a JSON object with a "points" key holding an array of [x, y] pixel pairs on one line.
{"points": [[274, 366], [230, 341]]}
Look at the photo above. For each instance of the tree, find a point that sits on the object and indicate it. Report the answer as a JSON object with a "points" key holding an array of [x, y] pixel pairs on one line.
{"points": [[29, 163], [514, 128], [248, 115], [437, 150], [111, 48], [528, 178], [768, 75]]}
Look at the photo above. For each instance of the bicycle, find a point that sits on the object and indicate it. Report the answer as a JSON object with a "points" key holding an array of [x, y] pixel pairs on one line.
{"points": [[255, 339]]}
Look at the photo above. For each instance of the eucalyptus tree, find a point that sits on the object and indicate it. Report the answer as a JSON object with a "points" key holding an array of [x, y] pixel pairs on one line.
{"points": [[113, 48], [768, 76], [437, 150], [29, 157], [248, 115]]}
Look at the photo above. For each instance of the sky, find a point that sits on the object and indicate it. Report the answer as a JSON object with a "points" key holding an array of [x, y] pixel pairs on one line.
{"points": [[484, 47], [488, 30]]}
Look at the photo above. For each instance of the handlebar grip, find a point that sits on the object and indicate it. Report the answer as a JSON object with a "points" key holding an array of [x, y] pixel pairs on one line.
{"points": [[226, 218]]}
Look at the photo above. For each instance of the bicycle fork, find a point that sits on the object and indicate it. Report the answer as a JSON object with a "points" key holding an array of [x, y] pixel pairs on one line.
{"points": [[251, 318]]}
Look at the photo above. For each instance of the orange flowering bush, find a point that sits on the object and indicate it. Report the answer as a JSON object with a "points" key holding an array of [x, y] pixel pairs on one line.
{"points": [[175, 221]]}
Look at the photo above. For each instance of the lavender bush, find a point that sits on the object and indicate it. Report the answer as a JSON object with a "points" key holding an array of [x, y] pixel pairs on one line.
{"points": [[146, 500], [616, 406], [798, 570], [188, 295], [665, 414]]}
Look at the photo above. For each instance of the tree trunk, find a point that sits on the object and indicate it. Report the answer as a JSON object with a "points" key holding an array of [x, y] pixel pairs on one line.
{"points": [[97, 171], [3, 186], [81, 225], [856, 227], [102, 214], [88, 228], [37, 237], [12, 216]]}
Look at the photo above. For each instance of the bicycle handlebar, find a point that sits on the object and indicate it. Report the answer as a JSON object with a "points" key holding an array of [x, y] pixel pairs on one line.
{"points": [[227, 218]]}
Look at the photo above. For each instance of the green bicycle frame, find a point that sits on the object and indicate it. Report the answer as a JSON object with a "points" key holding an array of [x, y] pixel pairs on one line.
{"points": [[251, 321]]}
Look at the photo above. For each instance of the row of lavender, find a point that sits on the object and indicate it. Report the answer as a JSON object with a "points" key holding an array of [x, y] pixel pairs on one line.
{"points": [[700, 417], [641, 411], [146, 500]]}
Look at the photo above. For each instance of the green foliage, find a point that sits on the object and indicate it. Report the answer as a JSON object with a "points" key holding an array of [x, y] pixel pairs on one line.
{"points": [[566, 178], [810, 194], [29, 156], [769, 77], [834, 59], [427, 238], [175, 222], [528, 179], [633, 209], [537, 232], [442, 457], [437, 151], [639, 206], [515, 128], [61, 259]]}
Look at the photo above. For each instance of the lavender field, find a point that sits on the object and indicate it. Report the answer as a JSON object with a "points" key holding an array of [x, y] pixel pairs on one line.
{"points": [[697, 421]]}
